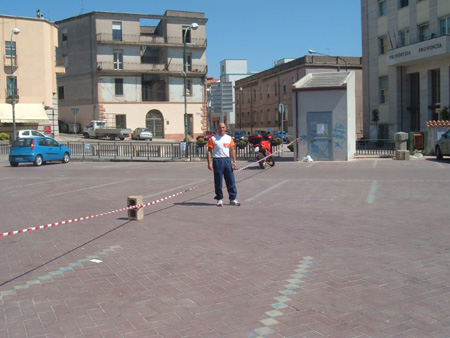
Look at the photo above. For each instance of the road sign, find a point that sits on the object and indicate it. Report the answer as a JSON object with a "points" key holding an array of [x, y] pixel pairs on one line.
{"points": [[281, 108]]}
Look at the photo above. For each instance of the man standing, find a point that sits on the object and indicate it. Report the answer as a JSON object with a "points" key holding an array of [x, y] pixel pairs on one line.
{"points": [[220, 147]]}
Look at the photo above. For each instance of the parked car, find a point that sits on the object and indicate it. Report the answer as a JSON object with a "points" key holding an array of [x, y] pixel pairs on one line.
{"points": [[443, 146], [28, 133], [239, 135], [283, 135], [207, 135], [142, 134], [37, 150]]}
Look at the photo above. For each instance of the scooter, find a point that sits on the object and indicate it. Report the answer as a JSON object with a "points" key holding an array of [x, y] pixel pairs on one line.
{"points": [[262, 151]]}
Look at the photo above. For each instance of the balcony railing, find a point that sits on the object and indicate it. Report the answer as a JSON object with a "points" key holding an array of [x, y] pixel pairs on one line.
{"points": [[137, 39], [150, 68], [7, 61]]}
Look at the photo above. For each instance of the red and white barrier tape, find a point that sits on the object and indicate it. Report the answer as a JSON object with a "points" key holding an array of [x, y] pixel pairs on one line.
{"points": [[139, 206]]}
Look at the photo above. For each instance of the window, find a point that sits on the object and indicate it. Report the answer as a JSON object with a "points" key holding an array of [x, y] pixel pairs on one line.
{"points": [[188, 87], [414, 104], [10, 50], [284, 87], [382, 7], [189, 62], [187, 32], [118, 87], [268, 90], [117, 31], [382, 45], [61, 92], [384, 94], [444, 26], [11, 84], [424, 32], [118, 59], [276, 88], [404, 37], [254, 94], [404, 3], [64, 34], [435, 77], [260, 92]]}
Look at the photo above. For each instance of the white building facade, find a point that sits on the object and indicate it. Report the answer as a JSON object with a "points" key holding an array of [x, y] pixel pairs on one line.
{"points": [[128, 69], [222, 94], [406, 64]]}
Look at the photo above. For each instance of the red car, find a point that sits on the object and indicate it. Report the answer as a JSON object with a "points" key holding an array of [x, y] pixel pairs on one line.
{"points": [[207, 135]]}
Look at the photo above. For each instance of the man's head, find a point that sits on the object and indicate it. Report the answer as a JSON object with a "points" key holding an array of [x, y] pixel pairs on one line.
{"points": [[221, 129]]}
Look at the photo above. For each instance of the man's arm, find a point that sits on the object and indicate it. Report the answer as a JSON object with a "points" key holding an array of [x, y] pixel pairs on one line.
{"points": [[233, 156], [209, 157]]}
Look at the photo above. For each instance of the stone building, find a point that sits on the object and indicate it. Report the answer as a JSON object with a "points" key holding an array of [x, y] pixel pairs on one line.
{"points": [[29, 74], [406, 63], [127, 69], [257, 103]]}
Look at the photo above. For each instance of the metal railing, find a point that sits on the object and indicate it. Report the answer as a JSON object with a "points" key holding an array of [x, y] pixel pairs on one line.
{"points": [[178, 151], [149, 150], [375, 147]]}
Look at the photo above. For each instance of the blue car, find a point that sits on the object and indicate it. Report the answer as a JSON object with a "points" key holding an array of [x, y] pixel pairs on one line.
{"points": [[283, 136], [37, 150]]}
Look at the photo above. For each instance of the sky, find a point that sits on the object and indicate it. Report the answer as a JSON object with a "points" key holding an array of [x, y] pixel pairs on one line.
{"points": [[260, 31]]}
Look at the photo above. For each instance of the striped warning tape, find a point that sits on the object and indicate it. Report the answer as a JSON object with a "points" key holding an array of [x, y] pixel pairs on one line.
{"points": [[138, 206]]}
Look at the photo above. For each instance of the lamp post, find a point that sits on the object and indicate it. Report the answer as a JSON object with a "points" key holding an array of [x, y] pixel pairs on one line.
{"points": [[337, 57], [240, 108], [193, 26], [14, 31]]}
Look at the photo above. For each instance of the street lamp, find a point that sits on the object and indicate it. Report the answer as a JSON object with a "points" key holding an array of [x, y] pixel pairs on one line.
{"points": [[193, 26], [14, 31], [337, 57], [240, 108]]}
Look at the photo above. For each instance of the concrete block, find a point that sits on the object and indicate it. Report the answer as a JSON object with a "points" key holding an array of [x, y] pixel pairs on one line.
{"points": [[135, 214], [402, 155]]}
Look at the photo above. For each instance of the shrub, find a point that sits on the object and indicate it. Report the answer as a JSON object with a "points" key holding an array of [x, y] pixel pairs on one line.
{"points": [[276, 141], [4, 136]]}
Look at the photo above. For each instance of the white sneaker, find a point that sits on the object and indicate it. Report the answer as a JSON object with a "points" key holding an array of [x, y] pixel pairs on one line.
{"points": [[235, 202], [219, 203]]}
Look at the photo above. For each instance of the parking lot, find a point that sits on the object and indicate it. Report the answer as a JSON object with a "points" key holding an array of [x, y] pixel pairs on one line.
{"points": [[318, 249]]}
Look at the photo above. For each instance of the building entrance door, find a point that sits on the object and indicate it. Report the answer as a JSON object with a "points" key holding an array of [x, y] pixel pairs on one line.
{"points": [[320, 136], [154, 122]]}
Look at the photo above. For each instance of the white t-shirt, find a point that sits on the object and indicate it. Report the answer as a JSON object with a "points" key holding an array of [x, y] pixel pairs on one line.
{"points": [[220, 145]]}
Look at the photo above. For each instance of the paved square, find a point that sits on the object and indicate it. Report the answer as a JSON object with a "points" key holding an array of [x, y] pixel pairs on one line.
{"points": [[319, 249]]}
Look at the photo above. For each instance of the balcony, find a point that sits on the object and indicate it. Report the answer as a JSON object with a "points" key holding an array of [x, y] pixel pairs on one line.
{"points": [[127, 67], [143, 40], [7, 63], [424, 51], [9, 97]]}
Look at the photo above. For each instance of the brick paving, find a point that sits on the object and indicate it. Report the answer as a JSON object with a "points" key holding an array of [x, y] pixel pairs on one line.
{"points": [[319, 249]]}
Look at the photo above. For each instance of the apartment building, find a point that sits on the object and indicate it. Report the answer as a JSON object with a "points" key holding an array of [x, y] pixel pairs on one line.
{"points": [[258, 96], [127, 69], [406, 62], [28, 75]]}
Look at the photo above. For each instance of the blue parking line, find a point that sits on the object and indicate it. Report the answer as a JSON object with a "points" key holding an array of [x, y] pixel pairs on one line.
{"points": [[373, 189]]}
